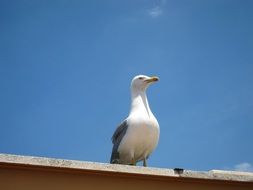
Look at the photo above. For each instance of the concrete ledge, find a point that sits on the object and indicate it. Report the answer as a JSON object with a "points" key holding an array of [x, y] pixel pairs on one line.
{"points": [[215, 175]]}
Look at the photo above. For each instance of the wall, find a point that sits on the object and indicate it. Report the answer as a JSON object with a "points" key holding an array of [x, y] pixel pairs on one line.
{"points": [[20, 175]]}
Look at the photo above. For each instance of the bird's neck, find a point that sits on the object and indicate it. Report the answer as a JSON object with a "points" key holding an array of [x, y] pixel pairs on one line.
{"points": [[140, 103]]}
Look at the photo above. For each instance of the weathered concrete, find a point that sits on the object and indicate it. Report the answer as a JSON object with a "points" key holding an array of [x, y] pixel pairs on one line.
{"points": [[102, 167]]}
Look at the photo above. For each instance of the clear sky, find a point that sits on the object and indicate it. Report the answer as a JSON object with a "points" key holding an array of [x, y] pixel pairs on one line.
{"points": [[66, 67]]}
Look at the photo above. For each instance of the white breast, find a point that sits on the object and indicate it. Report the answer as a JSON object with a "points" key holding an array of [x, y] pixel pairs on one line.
{"points": [[141, 138]]}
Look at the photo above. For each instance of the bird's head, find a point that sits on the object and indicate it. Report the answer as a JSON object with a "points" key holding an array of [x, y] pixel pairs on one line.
{"points": [[141, 82]]}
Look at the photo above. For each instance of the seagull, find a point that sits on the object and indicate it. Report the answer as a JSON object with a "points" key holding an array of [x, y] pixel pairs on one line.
{"points": [[138, 135]]}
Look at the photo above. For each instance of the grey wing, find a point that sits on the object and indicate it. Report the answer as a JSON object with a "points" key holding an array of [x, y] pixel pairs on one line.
{"points": [[116, 139]]}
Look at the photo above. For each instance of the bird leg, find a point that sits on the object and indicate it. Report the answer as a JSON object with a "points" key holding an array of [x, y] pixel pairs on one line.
{"points": [[145, 162], [133, 162]]}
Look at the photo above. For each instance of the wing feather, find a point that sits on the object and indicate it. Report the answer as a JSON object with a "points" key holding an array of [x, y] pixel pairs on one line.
{"points": [[116, 139]]}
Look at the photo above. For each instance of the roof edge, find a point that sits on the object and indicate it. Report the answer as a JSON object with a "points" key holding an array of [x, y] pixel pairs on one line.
{"points": [[10, 159]]}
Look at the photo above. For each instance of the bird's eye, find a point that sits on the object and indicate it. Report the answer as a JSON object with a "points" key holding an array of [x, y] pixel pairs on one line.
{"points": [[141, 78]]}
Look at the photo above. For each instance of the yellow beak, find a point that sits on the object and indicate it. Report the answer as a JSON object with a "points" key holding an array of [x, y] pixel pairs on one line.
{"points": [[152, 79]]}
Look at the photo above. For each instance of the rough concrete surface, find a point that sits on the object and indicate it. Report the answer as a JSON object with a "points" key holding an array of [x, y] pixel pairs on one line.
{"points": [[104, 167]]}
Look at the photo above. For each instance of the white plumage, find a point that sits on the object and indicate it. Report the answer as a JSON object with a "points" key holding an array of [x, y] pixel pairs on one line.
{"points": [[137, 136]]}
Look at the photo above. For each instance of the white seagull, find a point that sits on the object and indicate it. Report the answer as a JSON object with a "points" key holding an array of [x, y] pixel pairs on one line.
{"points": [[138, 135]]}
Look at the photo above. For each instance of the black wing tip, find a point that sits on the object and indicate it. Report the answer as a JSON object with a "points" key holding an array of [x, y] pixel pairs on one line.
{"points": [[114, 157], [114, 161]]}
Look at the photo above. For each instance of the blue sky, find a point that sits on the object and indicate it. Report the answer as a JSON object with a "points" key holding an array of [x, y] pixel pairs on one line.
{"points": [[66, 67]]}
